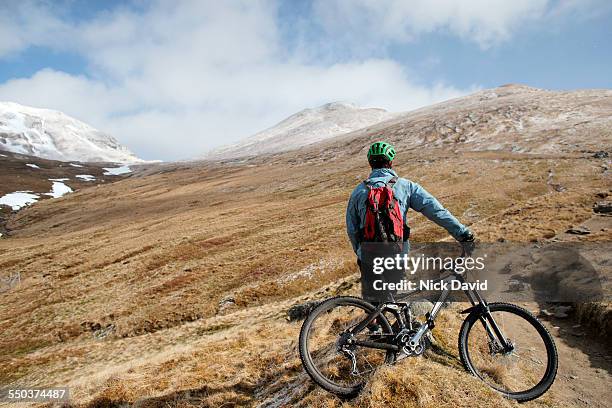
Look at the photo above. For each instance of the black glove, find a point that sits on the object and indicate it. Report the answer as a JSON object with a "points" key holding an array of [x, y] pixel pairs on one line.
{"points": [[467, 236], [467, 241]]}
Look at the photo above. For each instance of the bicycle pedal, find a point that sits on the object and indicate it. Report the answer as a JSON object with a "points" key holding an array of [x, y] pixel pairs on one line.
{"points": [[400, 356]]}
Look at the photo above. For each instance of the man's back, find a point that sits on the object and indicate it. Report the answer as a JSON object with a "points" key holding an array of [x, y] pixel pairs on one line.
{"points": [[408, 194]]}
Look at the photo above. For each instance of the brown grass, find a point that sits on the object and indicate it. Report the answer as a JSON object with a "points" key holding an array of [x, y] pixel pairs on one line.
{"points": [[154, 254]]}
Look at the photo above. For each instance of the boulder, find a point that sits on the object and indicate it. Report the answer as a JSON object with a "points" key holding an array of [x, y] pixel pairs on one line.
{"points": [[557, 311], [226, 303], [578, 231], [603, 207], [601, 154], [421, 307], [301, 310], [515, 285]]}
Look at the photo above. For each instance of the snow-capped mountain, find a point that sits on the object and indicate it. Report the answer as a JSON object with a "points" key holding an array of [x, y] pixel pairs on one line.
{"points": [[303, 128], [54, 135]]}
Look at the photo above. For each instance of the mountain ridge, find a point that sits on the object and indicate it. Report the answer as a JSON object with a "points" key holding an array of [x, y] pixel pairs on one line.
{"points": [[306, 127], [51, 134], [512, 117]]}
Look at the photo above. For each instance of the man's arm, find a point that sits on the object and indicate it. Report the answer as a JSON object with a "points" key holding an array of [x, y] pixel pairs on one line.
{"points": [[423, 202], [352, 221]]}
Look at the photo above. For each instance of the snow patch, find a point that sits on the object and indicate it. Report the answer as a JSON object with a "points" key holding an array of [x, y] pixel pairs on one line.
{"points": [[59, 179], [75, 165], [59, 189], [32, 166], [86, 177], [3, 155], [116, 171], [18, 199]]}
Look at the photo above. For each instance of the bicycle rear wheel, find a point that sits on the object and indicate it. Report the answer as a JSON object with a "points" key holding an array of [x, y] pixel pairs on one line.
{"points": [[524, 373], [324, 355]]}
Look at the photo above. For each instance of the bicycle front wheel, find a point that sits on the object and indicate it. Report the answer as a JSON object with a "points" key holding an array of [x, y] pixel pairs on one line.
{"points": [[337, 367], [523, 373]]}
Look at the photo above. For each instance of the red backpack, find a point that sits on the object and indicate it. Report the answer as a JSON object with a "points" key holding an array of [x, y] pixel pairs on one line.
{"points": [[384, 221]]}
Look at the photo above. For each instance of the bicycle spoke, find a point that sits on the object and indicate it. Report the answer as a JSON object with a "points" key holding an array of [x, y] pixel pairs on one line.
{"points": [[510, 371], [334, 360]]}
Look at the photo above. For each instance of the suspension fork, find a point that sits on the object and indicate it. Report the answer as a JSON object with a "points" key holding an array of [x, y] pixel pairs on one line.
{"points": [[486, 319], [478, 302]]}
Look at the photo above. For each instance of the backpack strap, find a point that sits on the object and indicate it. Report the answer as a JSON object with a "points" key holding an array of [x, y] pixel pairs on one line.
{"points": [[389, 183]]}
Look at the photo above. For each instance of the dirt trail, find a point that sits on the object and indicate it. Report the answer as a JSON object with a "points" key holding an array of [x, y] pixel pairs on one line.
{"points": [[585, 366], [585, 357]]}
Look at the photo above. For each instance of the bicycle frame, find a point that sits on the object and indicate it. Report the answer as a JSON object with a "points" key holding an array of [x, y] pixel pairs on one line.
{"points": [[396, 307]]}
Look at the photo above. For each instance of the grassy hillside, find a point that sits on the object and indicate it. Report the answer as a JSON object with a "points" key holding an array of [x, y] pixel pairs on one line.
{"points": [[171, 286]]}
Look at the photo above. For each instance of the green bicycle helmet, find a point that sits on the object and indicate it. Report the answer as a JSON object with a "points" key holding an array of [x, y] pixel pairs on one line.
{"points": [[381, 149]]}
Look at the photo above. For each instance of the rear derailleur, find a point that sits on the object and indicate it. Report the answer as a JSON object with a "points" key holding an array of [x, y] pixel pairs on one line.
{"points": [[345, 346]]}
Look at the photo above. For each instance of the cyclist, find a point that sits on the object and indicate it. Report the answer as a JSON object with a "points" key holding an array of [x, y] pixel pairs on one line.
{"points": [[408, 194]]}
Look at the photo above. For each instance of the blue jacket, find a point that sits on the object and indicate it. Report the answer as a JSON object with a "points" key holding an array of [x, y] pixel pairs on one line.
{"points": [[409, 195]]}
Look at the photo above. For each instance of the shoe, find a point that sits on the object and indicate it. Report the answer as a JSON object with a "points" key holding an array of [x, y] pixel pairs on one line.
{"points": [[375, 332]]}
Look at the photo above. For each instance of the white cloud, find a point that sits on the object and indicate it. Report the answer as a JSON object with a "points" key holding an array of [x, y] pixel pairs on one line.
{"points": [[486, 22], [580, 10], [25, 23], [244, 102], [84, 98], [179, 78], [366, 25]]}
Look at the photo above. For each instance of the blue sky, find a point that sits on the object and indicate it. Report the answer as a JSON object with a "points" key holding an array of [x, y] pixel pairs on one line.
{"points": [[173, 79]]}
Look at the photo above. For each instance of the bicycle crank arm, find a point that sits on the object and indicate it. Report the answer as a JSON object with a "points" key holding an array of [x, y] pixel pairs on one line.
{"points": [[416, 339]]}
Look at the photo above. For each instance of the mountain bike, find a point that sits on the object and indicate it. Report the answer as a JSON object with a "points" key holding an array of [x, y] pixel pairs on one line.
{"points": [[502, 344]]}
